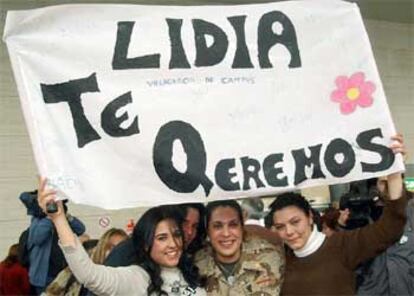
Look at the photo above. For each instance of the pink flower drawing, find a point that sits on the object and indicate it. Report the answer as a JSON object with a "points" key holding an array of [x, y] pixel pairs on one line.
{"points": [[353, 91]]}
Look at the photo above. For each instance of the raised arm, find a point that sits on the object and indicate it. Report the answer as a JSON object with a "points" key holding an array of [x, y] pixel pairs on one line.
{"points": [[46, 196], [99, 279], [395, 181], [367, 242]]}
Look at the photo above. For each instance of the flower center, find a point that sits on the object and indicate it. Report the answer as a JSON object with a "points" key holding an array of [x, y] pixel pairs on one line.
{"points": [[353, 93]]}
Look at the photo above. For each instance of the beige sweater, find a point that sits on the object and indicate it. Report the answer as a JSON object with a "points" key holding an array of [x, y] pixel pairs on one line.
{"points": [[130, 280]]}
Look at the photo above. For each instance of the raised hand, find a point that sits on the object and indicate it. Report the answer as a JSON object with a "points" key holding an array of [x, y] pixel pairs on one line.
{"points": [[46, 198], [395, 180], [397, 145]]}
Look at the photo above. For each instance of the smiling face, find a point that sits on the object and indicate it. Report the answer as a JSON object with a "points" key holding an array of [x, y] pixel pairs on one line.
{"points": [[293, 226], [167, 246], [226, 234], [190, 225]]}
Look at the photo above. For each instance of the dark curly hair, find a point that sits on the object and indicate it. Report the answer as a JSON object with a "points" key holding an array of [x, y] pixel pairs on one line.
{"points": [[286, 200], [211, 206], [143, 239]]}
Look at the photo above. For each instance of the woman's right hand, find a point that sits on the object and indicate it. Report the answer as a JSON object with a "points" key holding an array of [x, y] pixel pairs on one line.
{"points": [[47, 196]]}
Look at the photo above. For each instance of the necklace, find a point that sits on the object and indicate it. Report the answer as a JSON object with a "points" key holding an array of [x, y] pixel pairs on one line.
{"points": [[228, 269]]}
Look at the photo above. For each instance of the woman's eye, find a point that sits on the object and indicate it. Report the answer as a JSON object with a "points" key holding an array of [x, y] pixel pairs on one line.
{"points": [[234, 224], [217, 226]]}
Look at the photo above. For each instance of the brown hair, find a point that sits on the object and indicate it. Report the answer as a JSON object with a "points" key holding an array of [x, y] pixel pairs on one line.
{"points": [[12, 256], [330, 218]]}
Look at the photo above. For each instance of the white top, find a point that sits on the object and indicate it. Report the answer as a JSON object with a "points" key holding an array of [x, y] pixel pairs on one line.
{"points": [[314, 242], [130, 280]]}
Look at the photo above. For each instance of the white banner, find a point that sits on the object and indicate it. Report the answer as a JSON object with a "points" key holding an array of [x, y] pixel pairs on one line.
{"points": [[131, 105]]}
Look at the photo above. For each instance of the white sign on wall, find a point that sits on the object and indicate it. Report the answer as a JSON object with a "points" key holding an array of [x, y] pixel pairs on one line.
{"points": [[131, 105]]}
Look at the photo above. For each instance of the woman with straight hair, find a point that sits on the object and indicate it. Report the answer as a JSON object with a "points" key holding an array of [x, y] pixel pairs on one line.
{"points": [[321, 265], [161, 267]]}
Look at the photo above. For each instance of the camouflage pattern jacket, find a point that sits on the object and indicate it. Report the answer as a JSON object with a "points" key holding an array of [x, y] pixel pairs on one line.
{"points": [[259, 271]]}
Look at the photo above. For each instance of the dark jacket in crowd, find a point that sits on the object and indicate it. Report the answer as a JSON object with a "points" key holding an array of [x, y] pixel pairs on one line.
{"points": [[123, 254], [14, 279], [392, 272]]}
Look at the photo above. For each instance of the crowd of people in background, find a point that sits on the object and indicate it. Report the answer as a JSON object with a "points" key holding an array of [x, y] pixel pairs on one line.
{"points": [[363, 246]]}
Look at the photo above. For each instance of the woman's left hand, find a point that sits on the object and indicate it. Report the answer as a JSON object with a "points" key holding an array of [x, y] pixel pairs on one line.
{"points": [[395, 180], [397, 146]]}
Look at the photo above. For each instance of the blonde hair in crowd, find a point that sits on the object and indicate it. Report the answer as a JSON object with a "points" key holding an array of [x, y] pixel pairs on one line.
{"points": [[103, 247]]}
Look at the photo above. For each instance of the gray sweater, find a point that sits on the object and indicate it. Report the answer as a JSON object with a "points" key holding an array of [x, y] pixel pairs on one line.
{"points": [[130, 280]]}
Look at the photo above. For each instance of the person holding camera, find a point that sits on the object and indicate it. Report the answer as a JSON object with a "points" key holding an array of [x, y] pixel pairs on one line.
{"points": [[45, 257], [392, 271], [320, 265]]}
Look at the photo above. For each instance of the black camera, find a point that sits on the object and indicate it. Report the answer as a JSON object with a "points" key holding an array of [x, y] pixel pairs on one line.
{"points": [[361, 200], [360, 209]]}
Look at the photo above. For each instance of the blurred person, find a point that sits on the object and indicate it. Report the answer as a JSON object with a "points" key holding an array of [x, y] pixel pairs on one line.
{"points": [[392, 271], [46, 258], [160, 269], [253, 211], [29, 201], [329, 220], [110, 239], [235, 263], [38, 245], [254, 220], [320, 265], [123, 254], [193, 227], [14, 278]]}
